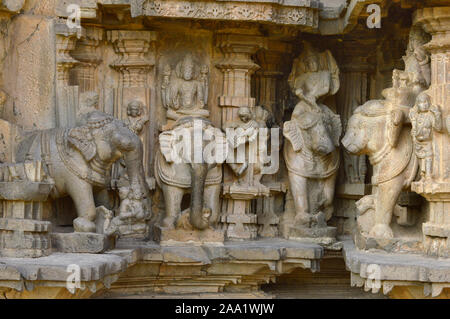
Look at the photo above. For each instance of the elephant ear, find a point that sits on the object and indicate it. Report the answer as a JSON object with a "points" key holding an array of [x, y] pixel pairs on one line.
{"points": [[293, 134], [334, 71], [82, 140], [166, 141], [394, 126]]}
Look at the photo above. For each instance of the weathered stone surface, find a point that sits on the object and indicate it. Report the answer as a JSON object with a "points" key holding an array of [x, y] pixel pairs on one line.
{"points": [[91, 243], [387, 270], [100, 100], [171, 236]]}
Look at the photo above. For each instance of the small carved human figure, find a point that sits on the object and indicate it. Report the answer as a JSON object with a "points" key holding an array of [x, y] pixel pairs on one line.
{"points": [[133, 214], [136, 117], [312, 155], [425, 118], [131, 206], [185, 93], [246, 135]]}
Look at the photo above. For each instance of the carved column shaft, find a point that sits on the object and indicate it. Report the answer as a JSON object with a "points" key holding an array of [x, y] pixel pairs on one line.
{"points": [[269, 78], [66, 95], [134, 63], [237, 67], [354, 92], [268, 83], [436, 21], [87, 53]]}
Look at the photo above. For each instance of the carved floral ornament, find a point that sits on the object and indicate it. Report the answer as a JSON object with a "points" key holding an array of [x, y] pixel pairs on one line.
{"points": [[302, 14]]}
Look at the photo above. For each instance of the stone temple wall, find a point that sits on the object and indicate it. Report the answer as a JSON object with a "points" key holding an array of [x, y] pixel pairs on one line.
{"points": [[336, 114]]}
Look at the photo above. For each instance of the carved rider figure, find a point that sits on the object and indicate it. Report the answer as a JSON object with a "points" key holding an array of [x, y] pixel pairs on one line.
{"points": [[247, 133]]}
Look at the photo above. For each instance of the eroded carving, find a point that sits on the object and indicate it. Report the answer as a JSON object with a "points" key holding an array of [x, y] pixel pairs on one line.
{"points": [[379, 129], [79, 160], [179, 171], [311, 151], [425, 118], [185, 91]]}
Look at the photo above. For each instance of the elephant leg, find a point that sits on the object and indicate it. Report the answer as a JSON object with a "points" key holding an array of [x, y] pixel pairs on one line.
{"points": [[82, 196], [386, 199], [299, 190], [212, 201], [328, 192], [106, 198], [172, 198]]}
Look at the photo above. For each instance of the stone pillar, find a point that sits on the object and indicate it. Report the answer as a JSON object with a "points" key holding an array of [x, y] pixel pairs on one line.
{"points": [[237, 66], [436, 230], [135, 61], [269, 78], [66, 95], [87, 53], [268, 83], [354, 91]]}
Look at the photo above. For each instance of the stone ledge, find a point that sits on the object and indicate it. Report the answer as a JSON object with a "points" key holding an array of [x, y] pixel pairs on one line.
{"points": [[24, 275], [376, 270], [136, 266]]}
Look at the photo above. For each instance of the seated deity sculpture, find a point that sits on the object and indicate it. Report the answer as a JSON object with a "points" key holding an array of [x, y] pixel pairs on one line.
{"points": [[185, 92], [311, 153]]}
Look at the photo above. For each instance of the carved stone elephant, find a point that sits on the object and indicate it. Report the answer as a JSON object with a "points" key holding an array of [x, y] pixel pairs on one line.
{"points": [[312, 159], [179, 174], [378, 132], [79, 161]]}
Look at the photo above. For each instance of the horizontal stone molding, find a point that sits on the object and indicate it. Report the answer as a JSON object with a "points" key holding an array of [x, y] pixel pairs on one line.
{"points": [[304, 13]]}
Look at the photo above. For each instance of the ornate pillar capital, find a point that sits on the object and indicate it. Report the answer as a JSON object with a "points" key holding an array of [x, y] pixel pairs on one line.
{"points": [[237, 66], [132, 62], [435, 21]]}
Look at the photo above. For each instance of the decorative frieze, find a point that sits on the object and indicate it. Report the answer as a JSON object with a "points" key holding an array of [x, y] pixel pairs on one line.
{"points": [[303, 13]]}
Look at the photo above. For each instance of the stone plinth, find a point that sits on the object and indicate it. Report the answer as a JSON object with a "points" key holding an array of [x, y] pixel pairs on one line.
{"points": [[233, 267], [90, 243], [46, 277], [436, 231], [166, 236], [149, 267], [240, 221], [376, 271]]}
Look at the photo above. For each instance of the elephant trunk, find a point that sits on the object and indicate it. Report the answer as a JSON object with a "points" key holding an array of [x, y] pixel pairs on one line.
{"points": [[135, 169], [199, 215]]}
